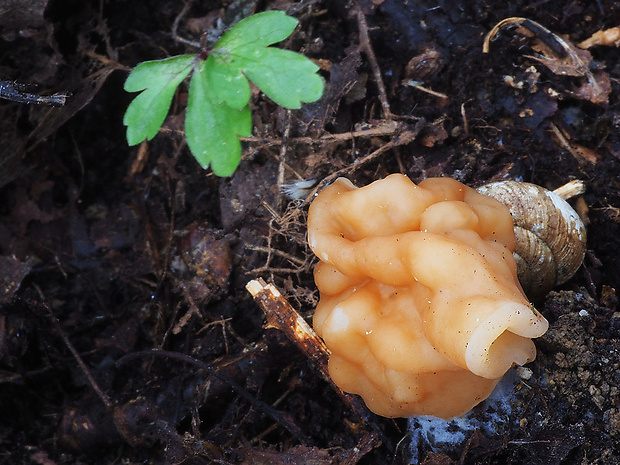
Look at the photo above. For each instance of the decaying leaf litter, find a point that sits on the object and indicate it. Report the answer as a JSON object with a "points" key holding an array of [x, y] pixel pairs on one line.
{"points": [[111, 252]]}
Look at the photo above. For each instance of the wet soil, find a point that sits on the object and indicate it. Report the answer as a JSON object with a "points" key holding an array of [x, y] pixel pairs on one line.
{"points": [[126, 332]]}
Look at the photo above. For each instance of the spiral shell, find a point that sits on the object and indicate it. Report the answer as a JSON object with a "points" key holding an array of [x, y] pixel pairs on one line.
{"points": [[551, 238]]}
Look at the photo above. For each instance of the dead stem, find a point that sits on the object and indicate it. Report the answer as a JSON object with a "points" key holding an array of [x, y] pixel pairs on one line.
{"points": [[376, 71], [291, 258], [465, 120], [76, 355], [562, 139], [385, 128], [191, 311], [432, 92], [398, 140], [108, 62], [175, 27], [283, 147]]}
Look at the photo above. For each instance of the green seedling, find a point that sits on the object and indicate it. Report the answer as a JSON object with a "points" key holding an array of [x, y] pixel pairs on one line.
{"points": [[218, 111]]}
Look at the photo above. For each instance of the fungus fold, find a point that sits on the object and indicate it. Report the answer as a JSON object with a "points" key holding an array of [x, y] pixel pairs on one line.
{"points": [[420, 303]]}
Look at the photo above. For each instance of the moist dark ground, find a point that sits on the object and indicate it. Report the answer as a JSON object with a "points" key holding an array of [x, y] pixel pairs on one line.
{"points": [[114, 251]]}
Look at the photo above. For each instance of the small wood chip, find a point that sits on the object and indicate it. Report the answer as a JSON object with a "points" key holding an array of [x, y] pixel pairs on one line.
{"points": [[610, 37], [571, 189], [282, 316]]}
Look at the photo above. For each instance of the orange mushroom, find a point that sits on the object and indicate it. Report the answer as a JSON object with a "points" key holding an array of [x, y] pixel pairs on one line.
{"points": [[420, 303]]}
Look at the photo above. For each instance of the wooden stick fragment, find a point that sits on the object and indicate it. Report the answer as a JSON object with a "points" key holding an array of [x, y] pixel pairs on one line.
{"points": [[578, 151], [610, 37], [571, 189], [282, 316]]}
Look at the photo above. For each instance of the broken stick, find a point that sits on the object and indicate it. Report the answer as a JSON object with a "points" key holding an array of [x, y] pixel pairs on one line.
{"points": [[282, 316]]}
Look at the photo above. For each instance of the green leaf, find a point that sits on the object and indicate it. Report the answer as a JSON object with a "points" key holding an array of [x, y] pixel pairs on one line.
{"points": [[158, 81], [259, 30], [227, 84], [212, 128], [287, 77]]}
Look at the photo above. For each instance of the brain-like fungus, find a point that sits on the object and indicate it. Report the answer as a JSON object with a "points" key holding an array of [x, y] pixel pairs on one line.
{"points": [[420, 303]]}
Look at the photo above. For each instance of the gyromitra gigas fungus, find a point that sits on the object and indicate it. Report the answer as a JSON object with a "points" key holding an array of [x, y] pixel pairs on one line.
{"points": [[420, 302]]}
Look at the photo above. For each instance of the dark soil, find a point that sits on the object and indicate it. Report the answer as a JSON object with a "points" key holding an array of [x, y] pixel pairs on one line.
{"points": [[108, 252]]}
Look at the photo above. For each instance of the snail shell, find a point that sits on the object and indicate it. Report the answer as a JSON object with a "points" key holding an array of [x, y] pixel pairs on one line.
{"points": [[551, 238]]}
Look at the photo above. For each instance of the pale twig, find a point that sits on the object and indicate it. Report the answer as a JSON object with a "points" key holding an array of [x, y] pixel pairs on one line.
{"points": [[571, 189], [465, 120], [417, 85]]}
